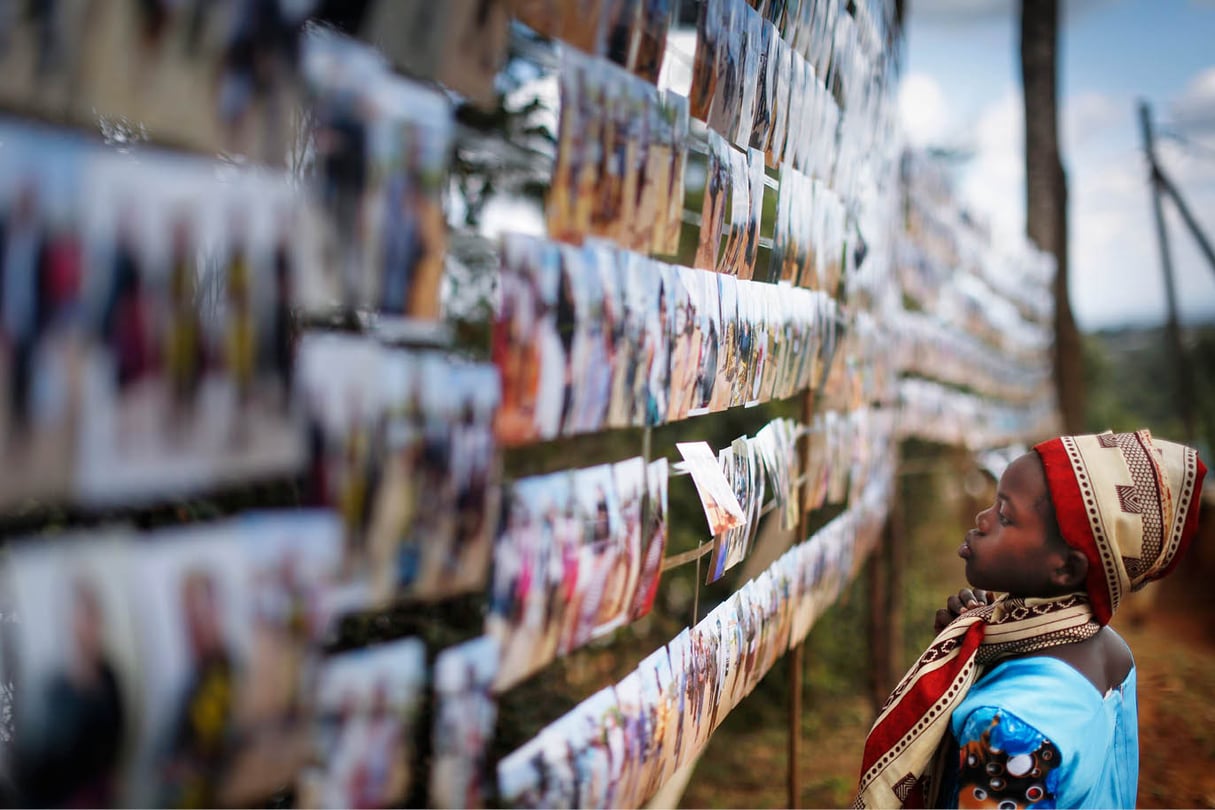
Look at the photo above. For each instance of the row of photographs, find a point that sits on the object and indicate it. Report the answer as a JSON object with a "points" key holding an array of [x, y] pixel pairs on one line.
{"points": [[593, 337], [205, 686], [171, 668], [158, 290], [579, 554], [944, 234], [630, 33], [622, 146], [380, 148], [872, 365], [754, 90], [935, 412], [217, 75], [401, 444], [927, 348], [164, 292], [224, 75], [619, 746]]}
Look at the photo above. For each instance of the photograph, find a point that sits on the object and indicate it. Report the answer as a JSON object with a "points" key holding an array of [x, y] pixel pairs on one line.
{"points": [[367, 706], [683, 363], [652, 38], [535, 572], [718, 181], [721, 506], [654, 532], [620, 26], [572, 130], [340, 388], [711, 343], [190, 357], [730, 259], [41, 278], [465, 714], [291, 565], [632, 727], [476, 39], [704, 59], [622, 324], [723, 111], [654, 377], [750, 30], [660, 705], [595, 606], [755, 206], [192, 609], [774, 149], [765, 91], [74, 659], [590, 368], [728, 357], [675, 109], [527, 346]]}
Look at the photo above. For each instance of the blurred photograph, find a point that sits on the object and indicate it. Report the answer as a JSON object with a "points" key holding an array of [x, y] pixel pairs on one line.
{"points": [[464, 717], [73, 656], [41, 283], [367, 706], [721, 506], [654, 532]]}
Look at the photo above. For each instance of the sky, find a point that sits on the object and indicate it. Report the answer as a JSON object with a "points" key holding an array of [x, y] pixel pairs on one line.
{"points": [[961, 89]]}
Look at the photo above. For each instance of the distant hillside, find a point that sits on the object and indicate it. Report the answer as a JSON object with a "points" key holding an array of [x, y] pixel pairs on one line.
{"points": [[1131, 382]]}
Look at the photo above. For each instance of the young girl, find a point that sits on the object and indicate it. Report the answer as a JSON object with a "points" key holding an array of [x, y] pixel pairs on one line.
{"points": [[1028, 700]]}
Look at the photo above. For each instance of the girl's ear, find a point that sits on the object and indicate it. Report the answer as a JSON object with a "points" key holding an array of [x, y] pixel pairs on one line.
{"points": [[1074, 570]]}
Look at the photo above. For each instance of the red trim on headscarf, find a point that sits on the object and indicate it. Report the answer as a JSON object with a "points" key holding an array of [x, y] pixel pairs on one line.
{"points": [[1073, 522], [1191, 521]]}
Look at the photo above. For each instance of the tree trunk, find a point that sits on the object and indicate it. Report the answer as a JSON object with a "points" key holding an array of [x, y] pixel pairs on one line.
{"points": [[1046, 193]]}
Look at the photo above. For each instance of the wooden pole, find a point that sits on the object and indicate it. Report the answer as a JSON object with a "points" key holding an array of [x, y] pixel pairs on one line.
{"points": [[1181, 373], [794, 755]]}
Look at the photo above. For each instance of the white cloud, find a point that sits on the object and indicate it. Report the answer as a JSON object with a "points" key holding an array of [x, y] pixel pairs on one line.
{"points": [[993, 184], [1194, 110], [923, 110], [1089, 116]]}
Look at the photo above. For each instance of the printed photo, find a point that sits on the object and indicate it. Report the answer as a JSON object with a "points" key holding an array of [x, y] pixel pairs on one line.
{"points": [[721, 506], [41, 279], [367, 705], [651, 39], [74, 660], [654, 531], [464, 717], [192, 617]]}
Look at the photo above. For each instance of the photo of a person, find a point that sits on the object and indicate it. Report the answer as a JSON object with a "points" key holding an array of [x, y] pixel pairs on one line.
{"points": [[464, 721], [655, 20], [368, 702], [718, 179], [674, 202], [74, 730], [619, 31]]}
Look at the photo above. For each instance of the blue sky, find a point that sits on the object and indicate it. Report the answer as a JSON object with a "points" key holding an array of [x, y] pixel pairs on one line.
{"points": [[961, 88]]}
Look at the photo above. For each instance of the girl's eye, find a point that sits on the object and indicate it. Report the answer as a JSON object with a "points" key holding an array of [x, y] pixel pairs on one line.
{"points": [[1004, 521]]}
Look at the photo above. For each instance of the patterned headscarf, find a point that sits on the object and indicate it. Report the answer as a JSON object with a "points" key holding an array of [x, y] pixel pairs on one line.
{"points": [[1129, 502]]}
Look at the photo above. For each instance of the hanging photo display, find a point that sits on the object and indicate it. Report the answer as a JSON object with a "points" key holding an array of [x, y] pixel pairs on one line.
{"points": [[159, 290], [193, 649], [590, 337], [623, 742], [579, 555], [216, 77]]}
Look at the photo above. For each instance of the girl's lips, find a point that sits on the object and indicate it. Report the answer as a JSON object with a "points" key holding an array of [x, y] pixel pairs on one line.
{"points": [[964, 550]]}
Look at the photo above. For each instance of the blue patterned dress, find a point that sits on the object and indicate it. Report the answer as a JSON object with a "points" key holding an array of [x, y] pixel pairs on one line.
{"points": [[1034, 732]]}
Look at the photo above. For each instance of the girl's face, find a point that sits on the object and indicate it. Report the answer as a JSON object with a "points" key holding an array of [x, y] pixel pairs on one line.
{"points": [[1013, 548]]}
